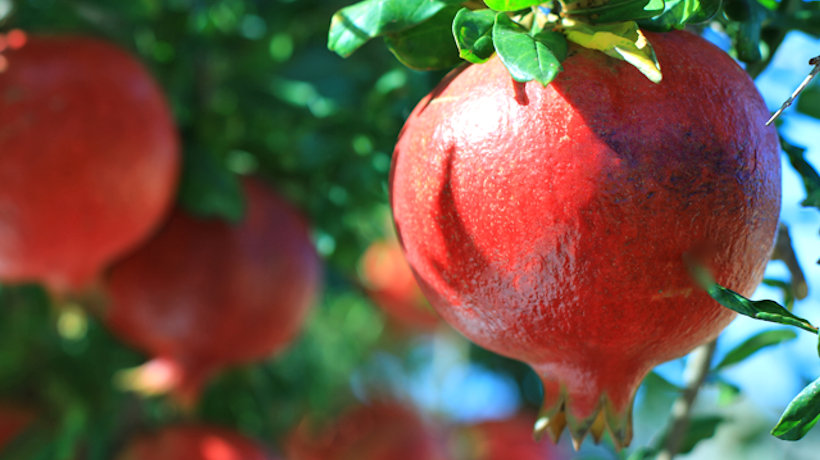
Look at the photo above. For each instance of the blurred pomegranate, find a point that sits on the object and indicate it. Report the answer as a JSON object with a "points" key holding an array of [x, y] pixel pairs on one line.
{"points": [[503, 440], [204, 294], [390, 283], [194, 442], [13, 420], [380, 431], [90, 158]]}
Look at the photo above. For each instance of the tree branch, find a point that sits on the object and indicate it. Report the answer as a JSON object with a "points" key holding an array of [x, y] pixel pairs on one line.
{"points": [[696, 370]]}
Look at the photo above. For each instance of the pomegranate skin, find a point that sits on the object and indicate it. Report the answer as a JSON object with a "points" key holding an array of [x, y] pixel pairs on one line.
{"points": [[90, 159], [549, 224], [193, 442], [390, 283], [204, 294]]}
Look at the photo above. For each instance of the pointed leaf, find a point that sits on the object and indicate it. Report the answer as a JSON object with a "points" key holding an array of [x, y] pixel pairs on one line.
{"points": [[811, 178], [473, 31], [765, 310], [622, 40], [511, 5], [528, 57], [678, 13], [617, 11], [800, 415], [428, 45], [754, 344], [352, 26], [809, 101]]}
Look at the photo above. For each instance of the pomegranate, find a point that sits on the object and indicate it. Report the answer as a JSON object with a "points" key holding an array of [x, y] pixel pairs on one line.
{"points": [[90, 158], [194, 442], [13, 420], [379, 431], [204, 294], [390, 283], [549, 224], [501, 440]]}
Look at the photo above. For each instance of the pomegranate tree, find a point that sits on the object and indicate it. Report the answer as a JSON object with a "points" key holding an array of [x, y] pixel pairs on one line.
{"points": [[391, 285], [550, 223], [193, 442], [89, 158], [203, 293], [378, 431]]}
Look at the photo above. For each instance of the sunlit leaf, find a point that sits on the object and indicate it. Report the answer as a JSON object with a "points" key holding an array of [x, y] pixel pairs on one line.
{"points": [[623, 41], [528, 57], [352, 26], [678, 13], [800, 415], [511, 5], [617, 11], [428, 45], [473, 31]]}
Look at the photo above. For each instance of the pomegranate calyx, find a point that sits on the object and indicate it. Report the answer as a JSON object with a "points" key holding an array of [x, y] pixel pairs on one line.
{"points": [[554, 418]]}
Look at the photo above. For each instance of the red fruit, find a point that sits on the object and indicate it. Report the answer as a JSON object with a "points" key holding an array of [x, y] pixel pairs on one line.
{"points": [[549, 224], [90, 159], [204, 294], [391, 285], [503, 440], [194, 442], [381, 431], [13, 421]]}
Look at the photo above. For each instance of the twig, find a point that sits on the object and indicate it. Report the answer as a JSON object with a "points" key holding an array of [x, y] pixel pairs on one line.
{"points": [[696, 370], [815, 61]]}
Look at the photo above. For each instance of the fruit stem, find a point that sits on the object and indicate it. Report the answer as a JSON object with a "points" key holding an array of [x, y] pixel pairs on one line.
{"points": [[697, 367]]}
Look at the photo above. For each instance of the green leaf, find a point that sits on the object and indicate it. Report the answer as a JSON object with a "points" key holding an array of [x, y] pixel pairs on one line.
{"points": [[528, 57], [428, 45], [785, 287], [617, 11], [511, 5], [352, 26], [765, 310], [727, 392], [754, 344], [800, 415], [811, 179], [622, 40], [700, 428], [678, 13], [208, 188], [809, 101], [747, 37], [473, 31]]}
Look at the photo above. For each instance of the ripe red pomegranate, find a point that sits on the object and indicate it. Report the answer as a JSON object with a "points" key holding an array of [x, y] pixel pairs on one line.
{"points": [[391, 285], [549, 224], [379, 431], [194, 442], [13, 420], [90, 158], [502, 440], [204, 294]]}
